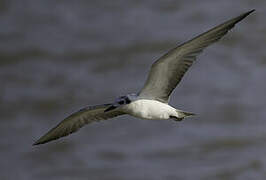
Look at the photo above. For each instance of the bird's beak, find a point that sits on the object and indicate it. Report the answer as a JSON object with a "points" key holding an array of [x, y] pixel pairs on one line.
{"points": [[112, 107]]}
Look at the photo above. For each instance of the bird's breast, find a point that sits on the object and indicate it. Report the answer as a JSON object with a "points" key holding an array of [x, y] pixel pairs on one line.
{"points": [[149, 109]]}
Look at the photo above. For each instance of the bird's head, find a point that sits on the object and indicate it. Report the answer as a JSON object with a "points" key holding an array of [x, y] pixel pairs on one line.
{"points": [[122, 100]]}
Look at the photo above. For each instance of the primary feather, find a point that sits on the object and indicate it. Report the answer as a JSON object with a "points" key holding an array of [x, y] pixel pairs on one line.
{"points": [[77, 120], [168, 70]]}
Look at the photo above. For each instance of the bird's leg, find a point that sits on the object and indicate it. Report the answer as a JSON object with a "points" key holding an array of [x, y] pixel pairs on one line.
{"points": [[176, 118]]}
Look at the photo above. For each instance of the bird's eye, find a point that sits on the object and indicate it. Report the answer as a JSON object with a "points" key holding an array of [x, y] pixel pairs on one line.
{"points": [[121, 102], [127, 100]]}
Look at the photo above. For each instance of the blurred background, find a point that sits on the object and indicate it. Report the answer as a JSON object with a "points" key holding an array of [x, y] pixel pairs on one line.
{"points": [[57, 56]]}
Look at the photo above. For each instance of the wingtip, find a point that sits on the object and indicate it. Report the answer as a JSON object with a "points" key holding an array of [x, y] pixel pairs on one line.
{"points": [[240, 17], [42, 140], [249, 12], [246, 14], [252, 10], [36, 143]]}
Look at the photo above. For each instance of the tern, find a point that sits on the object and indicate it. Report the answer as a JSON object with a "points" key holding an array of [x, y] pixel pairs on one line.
{"points": [[151, 102]]}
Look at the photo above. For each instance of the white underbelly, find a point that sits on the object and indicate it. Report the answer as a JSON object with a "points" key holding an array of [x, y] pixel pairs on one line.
{"points": [[149, 109]]}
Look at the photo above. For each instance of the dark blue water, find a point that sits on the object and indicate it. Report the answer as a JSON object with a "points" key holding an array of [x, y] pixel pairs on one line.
{"points": [[58, 56]]}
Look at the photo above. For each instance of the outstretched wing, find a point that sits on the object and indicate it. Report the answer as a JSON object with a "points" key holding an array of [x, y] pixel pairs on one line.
{"points": [[168, 70], [77, 120]]}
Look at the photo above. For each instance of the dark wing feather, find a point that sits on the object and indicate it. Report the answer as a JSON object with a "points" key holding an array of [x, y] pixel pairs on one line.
{"points": [[168, 70], [77, 120]]}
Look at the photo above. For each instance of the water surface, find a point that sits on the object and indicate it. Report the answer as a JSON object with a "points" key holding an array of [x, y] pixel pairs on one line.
{"points": [[57, 56]]}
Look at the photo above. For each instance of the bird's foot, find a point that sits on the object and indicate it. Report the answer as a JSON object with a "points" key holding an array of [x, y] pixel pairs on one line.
{"points": [[176, 118]]}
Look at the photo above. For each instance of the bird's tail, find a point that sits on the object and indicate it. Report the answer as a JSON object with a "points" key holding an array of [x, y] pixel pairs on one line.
{"points": [[184, 114]]}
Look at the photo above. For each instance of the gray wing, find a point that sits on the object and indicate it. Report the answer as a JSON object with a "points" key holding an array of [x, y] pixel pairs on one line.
{"points": [[168, 70], [77, 120]]}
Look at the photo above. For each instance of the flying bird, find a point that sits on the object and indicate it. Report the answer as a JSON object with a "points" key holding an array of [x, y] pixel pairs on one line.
{"points": [[151, 102]]}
